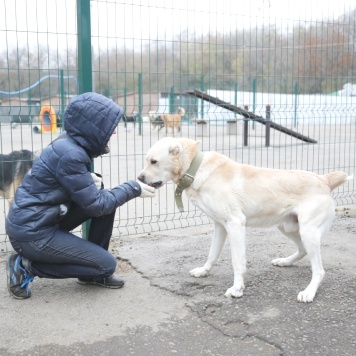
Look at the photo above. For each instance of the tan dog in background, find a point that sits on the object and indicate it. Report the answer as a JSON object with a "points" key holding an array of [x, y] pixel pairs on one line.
{"points": [[173, 121], [237, 195]]}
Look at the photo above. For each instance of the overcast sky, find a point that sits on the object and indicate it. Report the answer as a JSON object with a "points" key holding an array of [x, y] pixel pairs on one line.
{"points": [[53, 22]]}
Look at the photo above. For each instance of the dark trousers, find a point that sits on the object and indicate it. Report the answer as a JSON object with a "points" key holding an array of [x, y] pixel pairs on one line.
{"points": [[65, 255]]}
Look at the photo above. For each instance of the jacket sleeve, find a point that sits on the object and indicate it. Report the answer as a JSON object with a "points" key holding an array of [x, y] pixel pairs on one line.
{"points": [[126, 191], [76, 179]]}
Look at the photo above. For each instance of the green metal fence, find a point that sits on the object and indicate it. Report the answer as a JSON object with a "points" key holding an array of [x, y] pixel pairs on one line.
{"points": [[291, 65]]}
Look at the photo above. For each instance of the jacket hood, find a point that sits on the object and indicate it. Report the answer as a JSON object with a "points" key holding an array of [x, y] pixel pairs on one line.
{"points": [[90, 119]]}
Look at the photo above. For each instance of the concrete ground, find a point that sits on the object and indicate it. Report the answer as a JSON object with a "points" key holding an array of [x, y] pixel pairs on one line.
{"points": [[163, 311]]}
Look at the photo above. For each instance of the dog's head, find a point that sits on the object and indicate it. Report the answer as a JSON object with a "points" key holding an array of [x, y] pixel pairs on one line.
{"points": [[168, 159], [181, 111]]}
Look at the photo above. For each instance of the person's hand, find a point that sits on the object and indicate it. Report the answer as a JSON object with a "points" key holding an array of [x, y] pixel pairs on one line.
{"points": [[146, 190], [97, 180]]}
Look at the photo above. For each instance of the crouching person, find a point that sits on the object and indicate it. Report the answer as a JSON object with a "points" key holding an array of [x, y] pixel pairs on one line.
{"points": [[58, 194]]}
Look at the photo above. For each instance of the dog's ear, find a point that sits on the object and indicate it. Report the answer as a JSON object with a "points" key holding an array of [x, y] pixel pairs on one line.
{"points": [[175, 149], [197, 143]]}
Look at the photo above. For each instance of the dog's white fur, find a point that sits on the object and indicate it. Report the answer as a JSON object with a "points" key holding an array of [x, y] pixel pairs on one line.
{"points": [[237, 195]]}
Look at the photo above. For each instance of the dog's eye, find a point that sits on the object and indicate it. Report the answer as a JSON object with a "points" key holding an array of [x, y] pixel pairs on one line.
{"points": [[153, 161]]}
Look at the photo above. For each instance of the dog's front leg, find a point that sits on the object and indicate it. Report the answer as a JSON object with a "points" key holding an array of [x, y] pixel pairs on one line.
{"points": [[216, 247], [236, 232]]}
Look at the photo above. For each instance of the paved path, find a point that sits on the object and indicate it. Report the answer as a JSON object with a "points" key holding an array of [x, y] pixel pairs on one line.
{"points": [[163, 311]]}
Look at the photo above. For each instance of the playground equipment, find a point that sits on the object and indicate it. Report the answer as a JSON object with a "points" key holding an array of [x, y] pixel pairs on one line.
{"points": [[48, 120], [248, 115]]}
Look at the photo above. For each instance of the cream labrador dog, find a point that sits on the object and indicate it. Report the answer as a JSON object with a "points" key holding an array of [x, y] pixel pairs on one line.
{"points": [[237, 195]]}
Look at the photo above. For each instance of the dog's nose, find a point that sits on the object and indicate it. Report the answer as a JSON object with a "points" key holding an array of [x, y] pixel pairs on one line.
{"points": [[141, 178]]}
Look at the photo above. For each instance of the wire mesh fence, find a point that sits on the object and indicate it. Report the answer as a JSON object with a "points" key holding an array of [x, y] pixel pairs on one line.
{"points": [[293, 66]]}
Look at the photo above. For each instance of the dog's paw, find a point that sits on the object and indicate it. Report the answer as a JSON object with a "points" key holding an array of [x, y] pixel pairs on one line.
{"points": [[281, 262], [234, 292], [306, 296], [199, 272]]}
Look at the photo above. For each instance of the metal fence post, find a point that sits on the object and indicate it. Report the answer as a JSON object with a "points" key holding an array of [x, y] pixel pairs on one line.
{"points": [[125, 100], [268, 124], [235, 96], [246, 121], [202, 88], [171, 101], [84, 47], [296, 91], [62, 98], [140, 103], [235, 93], [254, 89], [85, 80]]}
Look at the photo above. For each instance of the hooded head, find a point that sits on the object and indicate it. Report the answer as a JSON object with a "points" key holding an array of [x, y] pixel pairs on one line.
{"points": [[90, 119]]}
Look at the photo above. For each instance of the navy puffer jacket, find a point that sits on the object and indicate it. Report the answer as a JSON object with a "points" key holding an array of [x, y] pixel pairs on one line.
{"points": [[61, 175]]}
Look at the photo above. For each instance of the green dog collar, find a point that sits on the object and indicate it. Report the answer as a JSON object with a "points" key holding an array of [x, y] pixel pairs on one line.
{"points": [[187, 179]]}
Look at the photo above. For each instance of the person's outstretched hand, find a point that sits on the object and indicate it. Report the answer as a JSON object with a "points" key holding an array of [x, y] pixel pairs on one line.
{"points": [[146, 190]]}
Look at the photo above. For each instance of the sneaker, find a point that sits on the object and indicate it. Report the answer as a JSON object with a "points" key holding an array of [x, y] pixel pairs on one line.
{"points": [[18, 279], [113, 282]]}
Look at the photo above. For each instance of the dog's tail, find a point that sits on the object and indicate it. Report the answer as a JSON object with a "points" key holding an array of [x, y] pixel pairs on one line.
{"points": [[337, 178]]}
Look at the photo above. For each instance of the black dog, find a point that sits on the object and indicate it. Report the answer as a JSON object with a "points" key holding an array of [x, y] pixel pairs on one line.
{"points": [[13, 168], [157, 122], [129, 118]]}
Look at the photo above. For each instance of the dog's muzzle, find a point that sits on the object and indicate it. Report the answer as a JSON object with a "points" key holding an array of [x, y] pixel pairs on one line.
{"points": [[155, 185]]}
